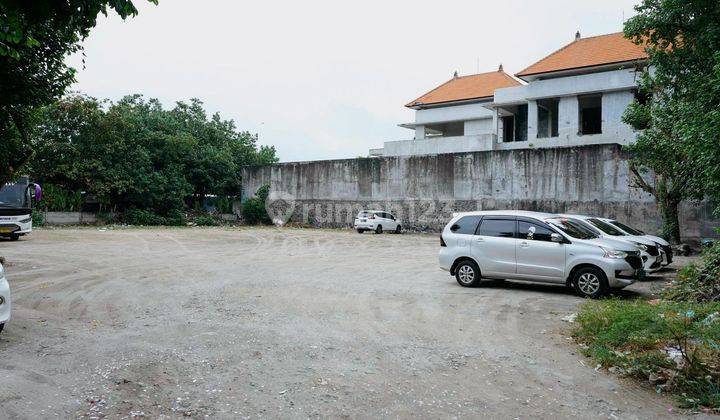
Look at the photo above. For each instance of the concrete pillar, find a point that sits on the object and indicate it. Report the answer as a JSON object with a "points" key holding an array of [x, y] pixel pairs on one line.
{"points": [[532, 120], [419, 132], [496, 126], [568, 117]]}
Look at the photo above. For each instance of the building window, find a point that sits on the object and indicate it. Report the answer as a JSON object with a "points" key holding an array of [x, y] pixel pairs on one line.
{"points": [[508, 128], [449, 129], [514, 122], [590, 110], [547, 117]]}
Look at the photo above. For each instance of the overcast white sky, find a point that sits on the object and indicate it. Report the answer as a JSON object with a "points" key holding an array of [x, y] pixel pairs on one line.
{"points": [[324, 79]]}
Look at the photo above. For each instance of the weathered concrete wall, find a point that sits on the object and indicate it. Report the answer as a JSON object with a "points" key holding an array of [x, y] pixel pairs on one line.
{"points": [[424, 190], [69, 218]]}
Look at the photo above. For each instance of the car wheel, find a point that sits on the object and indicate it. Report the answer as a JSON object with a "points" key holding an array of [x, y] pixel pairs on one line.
{"points": [[378, 229], [590, 282], [467, 274], [361, 230], [14, 237], [398, 229], [1, 327]]}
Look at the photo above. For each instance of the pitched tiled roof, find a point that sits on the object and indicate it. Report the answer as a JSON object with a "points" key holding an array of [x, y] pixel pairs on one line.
{"points": [[588, 52], [465, 88]]}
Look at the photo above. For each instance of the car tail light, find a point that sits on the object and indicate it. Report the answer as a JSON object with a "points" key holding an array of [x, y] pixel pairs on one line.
{"points": [[442, 241]]}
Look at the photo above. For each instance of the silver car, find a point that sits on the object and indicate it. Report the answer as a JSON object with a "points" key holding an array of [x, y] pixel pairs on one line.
{"points": [[665, 248], [650, 251], [539, 247]]}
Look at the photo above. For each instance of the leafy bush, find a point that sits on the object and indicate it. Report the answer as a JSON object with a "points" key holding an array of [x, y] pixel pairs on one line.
{"points": [[674, 345], [147, 218], [698, 283], [207, 220], [59, 199], [254, 211], [38, 218]]}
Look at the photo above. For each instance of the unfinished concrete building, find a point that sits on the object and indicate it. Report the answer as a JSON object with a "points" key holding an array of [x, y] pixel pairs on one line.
{"points": [[575, 96]]}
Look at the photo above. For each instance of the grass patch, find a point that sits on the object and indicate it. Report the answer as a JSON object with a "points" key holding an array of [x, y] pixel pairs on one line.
{"points": [[675, 346]]}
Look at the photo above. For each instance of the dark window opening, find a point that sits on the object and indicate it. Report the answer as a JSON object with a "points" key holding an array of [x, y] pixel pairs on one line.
{"points": [[514, 123], [449, 129], [466, 225], [508, 128], [547, 117], [501, 228], [641, 96], [590, 108]]}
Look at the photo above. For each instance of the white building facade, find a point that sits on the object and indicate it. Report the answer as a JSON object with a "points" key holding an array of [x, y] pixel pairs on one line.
{"points": [[575, 96]]}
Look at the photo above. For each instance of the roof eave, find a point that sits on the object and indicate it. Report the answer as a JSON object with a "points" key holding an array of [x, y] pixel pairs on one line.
{"points": [[529, 77], [420, 105]]}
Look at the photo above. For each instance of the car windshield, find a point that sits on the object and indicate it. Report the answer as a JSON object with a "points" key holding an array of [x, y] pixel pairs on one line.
{"points": [[572, 228], [13, 195], [627, 228], [605, 227]]}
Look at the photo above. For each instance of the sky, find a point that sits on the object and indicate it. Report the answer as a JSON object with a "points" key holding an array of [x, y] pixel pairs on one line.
{"points": [[323, 79]]}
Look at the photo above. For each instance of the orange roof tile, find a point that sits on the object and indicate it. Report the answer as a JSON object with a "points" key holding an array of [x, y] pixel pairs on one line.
{"points": [[465, 88], [588, 52]]}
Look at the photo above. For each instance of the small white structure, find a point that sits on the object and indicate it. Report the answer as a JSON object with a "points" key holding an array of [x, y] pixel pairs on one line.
{"points": [[574, 96]]}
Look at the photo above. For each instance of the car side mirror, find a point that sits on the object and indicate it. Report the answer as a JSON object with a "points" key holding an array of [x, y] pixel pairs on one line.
{"points": [[556, 237], [453, 228]]}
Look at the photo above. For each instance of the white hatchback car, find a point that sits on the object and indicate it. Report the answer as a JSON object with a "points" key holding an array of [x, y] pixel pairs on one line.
{"points": [[539, 247], [5, 301], [377, 221]]}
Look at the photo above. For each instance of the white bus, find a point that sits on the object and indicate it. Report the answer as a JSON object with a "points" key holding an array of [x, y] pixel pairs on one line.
{"points": [[17, 200]]}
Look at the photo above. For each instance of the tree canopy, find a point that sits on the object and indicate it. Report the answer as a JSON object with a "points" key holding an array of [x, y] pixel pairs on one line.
{"points": [[35, 38], [680, 141], [135, 154]]}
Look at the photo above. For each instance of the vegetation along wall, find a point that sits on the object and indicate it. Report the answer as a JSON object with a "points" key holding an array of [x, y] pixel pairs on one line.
{"points": [[424, 191]]}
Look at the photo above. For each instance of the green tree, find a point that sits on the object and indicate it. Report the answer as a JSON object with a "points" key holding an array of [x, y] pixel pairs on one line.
{"points": [[135, 154], [35, 38], [677, 156]]}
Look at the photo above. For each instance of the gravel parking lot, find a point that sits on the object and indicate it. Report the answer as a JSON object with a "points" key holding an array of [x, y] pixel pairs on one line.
{"points": [[288, 323]]}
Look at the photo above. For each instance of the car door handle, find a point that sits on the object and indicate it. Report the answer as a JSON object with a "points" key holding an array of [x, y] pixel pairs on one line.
{"points": [[524, 244], [479, 240]]}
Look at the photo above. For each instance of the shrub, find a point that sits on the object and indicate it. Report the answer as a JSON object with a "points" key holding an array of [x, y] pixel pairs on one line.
{"points": [[59, 199], [147, 218], [698, 283], [253, 209], [38, 218], [674, 345], [207, 220]]}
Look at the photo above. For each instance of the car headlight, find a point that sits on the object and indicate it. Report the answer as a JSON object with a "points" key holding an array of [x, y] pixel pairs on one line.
{"points": [[613, 253], [642, 247], [26, 220]]}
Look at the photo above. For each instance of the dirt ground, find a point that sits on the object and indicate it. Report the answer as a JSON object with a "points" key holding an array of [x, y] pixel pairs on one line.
{"points": [[232, 323]]}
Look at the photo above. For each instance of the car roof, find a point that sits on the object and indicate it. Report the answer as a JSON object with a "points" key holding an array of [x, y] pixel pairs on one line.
{"points": [[374, 211], [511, 213], [578, 216]]}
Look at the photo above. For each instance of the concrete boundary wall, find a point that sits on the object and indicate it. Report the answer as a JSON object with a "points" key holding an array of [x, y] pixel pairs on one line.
{"points": [[424, 191], [69, 218]]}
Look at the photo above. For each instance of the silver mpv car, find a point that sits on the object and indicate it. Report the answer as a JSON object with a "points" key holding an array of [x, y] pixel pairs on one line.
{"points": [[538, 247]]}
